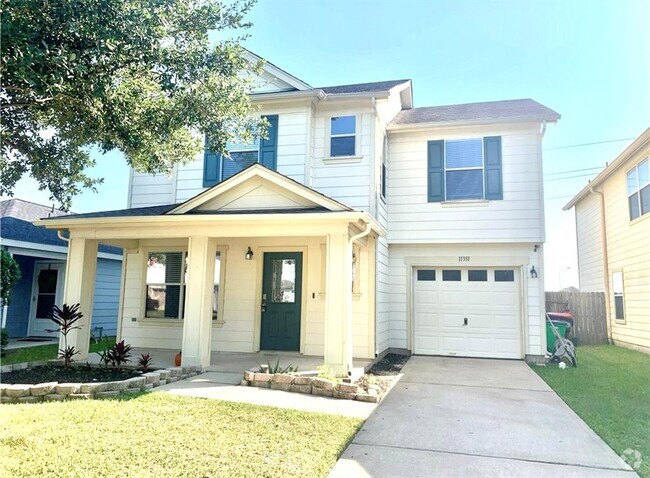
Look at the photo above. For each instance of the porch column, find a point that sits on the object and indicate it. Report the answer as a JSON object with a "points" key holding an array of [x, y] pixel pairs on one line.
{"points": [[79, 288], [338, 305], [197, 324]]}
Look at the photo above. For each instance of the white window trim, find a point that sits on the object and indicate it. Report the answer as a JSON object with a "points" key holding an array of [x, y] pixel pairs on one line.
{"points": [[223, 250], [482, 168], [356, 157], [637, 190], [143, 294]]}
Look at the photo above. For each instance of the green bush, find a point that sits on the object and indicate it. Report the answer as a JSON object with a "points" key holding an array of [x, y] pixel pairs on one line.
{"points": [[9, 275]]}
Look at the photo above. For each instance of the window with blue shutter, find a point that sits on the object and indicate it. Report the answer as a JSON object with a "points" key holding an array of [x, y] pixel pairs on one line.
{"points": [[467, 169], [217, 167]]}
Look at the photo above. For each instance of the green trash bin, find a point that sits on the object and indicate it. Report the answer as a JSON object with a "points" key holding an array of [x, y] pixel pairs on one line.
{"points": [[550, 335]]}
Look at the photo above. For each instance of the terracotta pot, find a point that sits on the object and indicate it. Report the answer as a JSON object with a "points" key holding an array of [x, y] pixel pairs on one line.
{"points": [[177, 359]]}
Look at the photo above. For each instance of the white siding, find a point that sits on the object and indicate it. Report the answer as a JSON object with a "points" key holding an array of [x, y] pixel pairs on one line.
{"points": [[518, 217], [383, 335], [589, 236], [150, 189], [402, 257], [292, 145]]}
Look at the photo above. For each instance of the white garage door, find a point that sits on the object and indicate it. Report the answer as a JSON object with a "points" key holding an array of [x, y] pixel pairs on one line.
{"points": [[467, 312]]}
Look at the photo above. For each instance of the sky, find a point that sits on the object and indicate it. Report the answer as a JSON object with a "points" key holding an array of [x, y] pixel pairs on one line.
{"points": [[587, 60]]}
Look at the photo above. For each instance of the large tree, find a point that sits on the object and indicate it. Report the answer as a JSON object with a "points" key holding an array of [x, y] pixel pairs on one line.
{"points": [[139, 76]]}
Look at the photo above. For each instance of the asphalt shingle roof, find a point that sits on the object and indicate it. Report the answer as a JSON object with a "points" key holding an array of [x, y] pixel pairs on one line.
{"points": [[486, 111], [362, 87], [20, 230]]}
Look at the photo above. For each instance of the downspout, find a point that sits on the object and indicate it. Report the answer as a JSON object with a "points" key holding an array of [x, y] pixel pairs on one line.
{"points": [[61, 236], [603, 245], [348, 293]]}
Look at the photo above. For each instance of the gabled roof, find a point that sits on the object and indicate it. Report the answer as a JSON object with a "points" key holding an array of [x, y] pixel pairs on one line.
{"points": [[490, 111], [301, 194], [641, 142], [374, 87], [275, 70]]}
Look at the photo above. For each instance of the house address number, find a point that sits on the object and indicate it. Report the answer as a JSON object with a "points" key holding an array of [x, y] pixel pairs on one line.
{"points": [[463, 258]]}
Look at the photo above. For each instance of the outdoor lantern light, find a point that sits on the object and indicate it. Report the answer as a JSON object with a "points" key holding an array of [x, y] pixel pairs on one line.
{"points": [[249, 254], [533, 273]]}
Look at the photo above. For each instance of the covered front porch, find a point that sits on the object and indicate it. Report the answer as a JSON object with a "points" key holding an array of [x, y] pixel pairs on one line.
{"points": [[257, 263]]}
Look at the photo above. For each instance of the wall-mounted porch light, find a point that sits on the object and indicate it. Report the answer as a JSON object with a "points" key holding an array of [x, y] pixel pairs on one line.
{"points": [[249, 254], [533, 273]]}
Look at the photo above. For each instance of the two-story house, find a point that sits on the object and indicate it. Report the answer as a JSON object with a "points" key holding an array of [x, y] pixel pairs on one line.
{"points": [[360, 224], [613, 234]]}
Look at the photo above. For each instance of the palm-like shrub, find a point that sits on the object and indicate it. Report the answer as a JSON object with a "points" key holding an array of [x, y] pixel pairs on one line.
{"points": [[66, 319]]}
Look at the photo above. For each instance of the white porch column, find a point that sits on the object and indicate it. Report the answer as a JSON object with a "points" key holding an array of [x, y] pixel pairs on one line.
{"points": [[338, 304], [197, 325], [79, 288]]}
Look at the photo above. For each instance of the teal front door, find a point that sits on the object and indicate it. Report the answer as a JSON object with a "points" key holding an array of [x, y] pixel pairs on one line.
{"points": [[281, 297]]}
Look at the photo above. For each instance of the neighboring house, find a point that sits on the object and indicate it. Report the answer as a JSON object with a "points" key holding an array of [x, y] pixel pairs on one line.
{"points": [[613, 234], [41, 256], [360, 225]]}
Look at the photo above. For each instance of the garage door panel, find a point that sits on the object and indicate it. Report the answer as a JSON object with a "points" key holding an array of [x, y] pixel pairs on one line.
{"points": [[492, 312]]}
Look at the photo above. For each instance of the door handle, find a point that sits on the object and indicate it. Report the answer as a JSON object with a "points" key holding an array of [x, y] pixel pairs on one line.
{"points": [[465, 321]]}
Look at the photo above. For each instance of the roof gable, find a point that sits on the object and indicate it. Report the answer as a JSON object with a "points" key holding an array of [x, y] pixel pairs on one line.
{"points": [[258, 188], [273, 79]]}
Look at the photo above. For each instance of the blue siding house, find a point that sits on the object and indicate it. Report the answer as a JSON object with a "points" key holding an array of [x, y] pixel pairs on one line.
{"points": [[41, 255]]}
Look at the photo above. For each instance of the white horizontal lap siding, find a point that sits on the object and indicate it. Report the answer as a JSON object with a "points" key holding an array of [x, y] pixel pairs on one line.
{"points": [[292, 145], [150, 189], [518, 217], [345, 181], [589, 236], [106, 296], [399, 294], [628, 250], [382, 331]]}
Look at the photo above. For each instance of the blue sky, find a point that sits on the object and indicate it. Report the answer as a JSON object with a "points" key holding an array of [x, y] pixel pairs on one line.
{"points": [[588, 60]]}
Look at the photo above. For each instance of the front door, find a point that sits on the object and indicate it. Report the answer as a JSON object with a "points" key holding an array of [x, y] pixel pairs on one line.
{"points": [[46, 292], [281, 298]]}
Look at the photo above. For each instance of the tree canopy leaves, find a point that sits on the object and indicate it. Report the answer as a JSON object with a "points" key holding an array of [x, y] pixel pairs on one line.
{"points": [[139, 76]]}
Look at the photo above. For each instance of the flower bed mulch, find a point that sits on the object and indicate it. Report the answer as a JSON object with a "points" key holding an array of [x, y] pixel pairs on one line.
{"points": [[390, 364], [74, 374]]}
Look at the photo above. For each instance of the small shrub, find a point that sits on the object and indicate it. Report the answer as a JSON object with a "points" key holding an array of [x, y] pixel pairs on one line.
{"points": [[327, 373], [145, 362], [4, 341], [277, 368], [9, 275], [65, 319], [119, 354]]}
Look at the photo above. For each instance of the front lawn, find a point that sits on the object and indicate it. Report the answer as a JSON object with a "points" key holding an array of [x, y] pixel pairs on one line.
{"points": [[40, 353], [610, 390], [158, 434]]}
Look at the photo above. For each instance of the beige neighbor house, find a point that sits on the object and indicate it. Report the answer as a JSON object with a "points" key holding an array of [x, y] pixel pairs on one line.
{"points": [[613, 234], [360, 225]]}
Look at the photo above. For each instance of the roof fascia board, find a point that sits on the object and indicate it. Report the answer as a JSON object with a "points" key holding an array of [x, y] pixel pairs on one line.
{"points": [[398, 128], [277, 72], [34, 249], [286, 96], [628, 153]]}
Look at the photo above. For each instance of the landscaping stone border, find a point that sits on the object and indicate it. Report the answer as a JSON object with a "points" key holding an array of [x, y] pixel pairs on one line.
{"points": [[310, 385], [56, 392]]}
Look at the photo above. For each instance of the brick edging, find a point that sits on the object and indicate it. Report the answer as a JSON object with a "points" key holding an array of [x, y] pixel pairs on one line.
{"points": [[55, 391], [309, 385]]}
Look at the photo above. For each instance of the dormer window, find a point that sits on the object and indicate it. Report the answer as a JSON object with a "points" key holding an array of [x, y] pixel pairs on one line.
{"points": [[343, 136], [638, 189]]}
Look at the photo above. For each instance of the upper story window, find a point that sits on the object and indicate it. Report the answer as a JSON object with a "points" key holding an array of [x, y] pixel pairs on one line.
{"points": [[638, 189], [217, 168], [343, 136], [467, 169], [242, 155]]}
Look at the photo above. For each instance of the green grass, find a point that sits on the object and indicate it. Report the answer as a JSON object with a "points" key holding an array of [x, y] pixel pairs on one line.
{"points": [[46, 352], [157, 434], [610, 390]]}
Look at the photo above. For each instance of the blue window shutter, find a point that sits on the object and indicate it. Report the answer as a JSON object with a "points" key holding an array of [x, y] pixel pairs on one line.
{"points": [[269, 146], [436, 171], [493, 175], [211, 167]]}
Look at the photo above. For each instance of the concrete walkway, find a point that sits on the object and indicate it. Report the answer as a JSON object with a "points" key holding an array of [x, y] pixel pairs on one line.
{"points": [[472, 417], [224, 385]]}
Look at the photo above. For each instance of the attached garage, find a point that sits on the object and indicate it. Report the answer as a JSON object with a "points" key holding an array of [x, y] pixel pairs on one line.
{"points": [[467, 312]]}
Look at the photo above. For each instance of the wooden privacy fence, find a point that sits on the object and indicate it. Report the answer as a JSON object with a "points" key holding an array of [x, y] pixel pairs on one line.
{"points": [[588, 310]]}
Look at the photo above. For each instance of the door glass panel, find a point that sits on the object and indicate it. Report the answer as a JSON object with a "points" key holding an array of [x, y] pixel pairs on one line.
{"points": [[477, 276], [283, 286], [46, 292], [451, 275], [504, 275]]}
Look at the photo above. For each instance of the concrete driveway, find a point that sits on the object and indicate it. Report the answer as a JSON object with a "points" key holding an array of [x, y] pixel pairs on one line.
{"points": [[473, 417]]}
